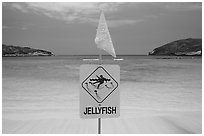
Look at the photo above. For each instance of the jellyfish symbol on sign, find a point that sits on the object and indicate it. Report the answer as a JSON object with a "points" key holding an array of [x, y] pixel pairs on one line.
{"points": [[98, 83]]}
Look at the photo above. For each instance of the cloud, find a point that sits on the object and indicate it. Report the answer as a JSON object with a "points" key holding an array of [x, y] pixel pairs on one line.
{"points": [[116, 23], [182, 6], [17, 6], [26, 26], [170, 6], [88, 12], [22, 27], [71, 12], [5, 27]]}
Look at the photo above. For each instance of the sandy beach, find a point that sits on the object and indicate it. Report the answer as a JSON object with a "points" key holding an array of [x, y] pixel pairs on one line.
{"points": [[174, 123], [36, 101]]}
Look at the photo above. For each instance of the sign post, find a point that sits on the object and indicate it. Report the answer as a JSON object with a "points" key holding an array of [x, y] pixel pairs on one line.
{"points": [[99, 125], [99, 119], [99, 93]]}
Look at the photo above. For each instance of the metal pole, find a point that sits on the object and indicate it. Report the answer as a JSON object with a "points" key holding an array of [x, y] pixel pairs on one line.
{"points": [[100, 57], [99, 119], [99, 125]]}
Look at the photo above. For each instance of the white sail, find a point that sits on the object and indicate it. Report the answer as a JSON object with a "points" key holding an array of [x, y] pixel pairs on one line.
{"points": [[103, 39]]}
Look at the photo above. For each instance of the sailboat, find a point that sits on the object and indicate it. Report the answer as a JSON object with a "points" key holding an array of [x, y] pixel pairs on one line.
{"points": [[103, 39]]}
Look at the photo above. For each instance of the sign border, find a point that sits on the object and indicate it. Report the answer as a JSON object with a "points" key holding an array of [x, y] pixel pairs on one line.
{"points": [[109, 75]]}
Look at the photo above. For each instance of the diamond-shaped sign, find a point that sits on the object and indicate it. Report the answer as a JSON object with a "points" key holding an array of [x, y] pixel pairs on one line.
{"points": [[99, 84], [99, 91]]}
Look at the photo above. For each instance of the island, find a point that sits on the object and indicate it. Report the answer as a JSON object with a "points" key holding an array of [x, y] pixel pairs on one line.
{"points": [[183, 47], [17, 51]]}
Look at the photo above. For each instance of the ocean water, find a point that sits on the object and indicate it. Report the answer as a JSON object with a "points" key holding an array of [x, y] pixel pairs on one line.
{"points": [[48, 87]]}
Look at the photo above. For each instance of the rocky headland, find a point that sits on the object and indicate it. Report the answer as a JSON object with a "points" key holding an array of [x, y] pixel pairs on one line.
{"points": [[17, 51], [183, 47]]}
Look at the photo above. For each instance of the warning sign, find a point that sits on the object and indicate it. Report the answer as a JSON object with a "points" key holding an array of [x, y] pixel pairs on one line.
{"points": [[99, 94], [99, 84]]}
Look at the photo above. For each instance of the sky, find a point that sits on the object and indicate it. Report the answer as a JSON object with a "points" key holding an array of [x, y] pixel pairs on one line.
{"points": [[136, 28]]}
